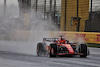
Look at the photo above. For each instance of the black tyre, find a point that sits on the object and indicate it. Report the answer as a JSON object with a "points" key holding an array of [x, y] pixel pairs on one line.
{"points": [[54, 47], [41, 49], [88, 52], [83, 49]]}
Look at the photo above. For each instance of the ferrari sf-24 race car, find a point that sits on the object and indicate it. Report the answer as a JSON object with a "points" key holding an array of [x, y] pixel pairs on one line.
{"points": [[60, 46]]}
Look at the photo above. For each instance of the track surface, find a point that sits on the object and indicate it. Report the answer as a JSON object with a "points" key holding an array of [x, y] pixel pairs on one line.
{"points": [[8, 59]]}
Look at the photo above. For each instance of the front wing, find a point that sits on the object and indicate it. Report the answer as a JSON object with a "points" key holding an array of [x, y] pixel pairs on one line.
{"points": [[70, 54]]}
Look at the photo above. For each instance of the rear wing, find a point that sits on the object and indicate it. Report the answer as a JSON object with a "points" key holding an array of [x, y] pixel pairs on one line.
{"points": [[50, 39]]}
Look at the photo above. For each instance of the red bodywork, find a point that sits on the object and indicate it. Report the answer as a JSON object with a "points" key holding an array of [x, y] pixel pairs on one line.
{"points": [[64, 43]]}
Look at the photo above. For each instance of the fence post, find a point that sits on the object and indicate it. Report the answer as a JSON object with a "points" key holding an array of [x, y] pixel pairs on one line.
{"points": [[50, 14], [44, 8], [54, 10], [78, 27], [91, 17], [36, 5], [65, 13]]}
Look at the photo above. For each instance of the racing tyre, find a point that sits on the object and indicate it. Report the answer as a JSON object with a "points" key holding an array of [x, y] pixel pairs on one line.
{"points": [[41, 49], [88, 52], [83, 49], [53, 50]]}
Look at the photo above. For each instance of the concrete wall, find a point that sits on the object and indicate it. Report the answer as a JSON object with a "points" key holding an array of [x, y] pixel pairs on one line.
{"points": [[37, 36]]}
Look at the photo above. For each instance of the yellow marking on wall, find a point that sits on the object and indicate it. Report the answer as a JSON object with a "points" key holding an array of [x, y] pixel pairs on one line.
{"points": [[88, 37]]}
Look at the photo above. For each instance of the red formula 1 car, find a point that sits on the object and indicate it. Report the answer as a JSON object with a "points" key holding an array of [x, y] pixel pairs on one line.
{"points": [[60, 46]]}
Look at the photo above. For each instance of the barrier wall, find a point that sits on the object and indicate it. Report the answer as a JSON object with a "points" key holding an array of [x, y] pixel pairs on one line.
{"points": [[82, 36], [88, 37]]}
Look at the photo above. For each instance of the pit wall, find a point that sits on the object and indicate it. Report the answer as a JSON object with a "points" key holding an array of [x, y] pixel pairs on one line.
{"points": [[88, 37]]}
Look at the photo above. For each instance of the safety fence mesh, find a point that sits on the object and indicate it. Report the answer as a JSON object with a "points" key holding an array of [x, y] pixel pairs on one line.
{"points": [[76, 15]]}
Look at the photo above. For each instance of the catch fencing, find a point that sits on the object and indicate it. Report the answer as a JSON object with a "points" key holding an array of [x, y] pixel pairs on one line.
{"points": [[76, 15]]}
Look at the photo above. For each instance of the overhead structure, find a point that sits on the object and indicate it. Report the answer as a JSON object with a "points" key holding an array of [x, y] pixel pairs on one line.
{"points": [[24, 13], [24, 5]]}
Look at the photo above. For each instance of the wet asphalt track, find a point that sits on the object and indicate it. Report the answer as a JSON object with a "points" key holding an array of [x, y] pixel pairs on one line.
{"points": [[8, 59]]}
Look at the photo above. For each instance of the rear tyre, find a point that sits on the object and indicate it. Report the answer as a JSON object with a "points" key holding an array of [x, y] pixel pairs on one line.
{"points": [[41, 49], [84, 56], [53, 50], [83, 49]]}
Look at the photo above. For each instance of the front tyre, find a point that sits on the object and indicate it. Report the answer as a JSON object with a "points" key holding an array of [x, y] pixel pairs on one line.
{"points": [[53, 50]]}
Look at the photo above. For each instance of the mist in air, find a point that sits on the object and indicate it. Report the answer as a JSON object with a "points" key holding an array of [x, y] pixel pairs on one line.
{"points": [[21, 31]]}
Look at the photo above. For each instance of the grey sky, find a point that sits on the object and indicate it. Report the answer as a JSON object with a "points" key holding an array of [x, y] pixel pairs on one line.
{"points": [[9, 2]]}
